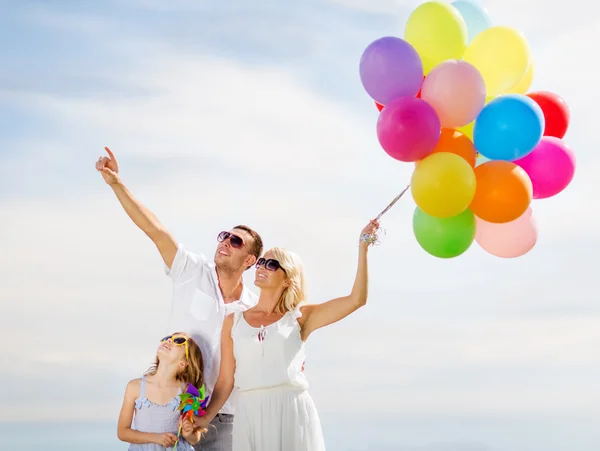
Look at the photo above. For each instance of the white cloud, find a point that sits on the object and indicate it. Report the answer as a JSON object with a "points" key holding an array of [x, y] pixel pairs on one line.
{"points": [[256, 120], [392, 7], [533, 17]]}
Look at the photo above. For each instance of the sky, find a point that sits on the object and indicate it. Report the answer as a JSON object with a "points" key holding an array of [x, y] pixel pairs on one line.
{"points": [[252, 112]]}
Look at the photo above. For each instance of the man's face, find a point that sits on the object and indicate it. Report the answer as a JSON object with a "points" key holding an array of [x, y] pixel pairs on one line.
{"points": [[233, 250]]}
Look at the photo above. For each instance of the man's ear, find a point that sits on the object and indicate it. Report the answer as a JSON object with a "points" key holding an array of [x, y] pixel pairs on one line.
{"points": [[251, 261]]}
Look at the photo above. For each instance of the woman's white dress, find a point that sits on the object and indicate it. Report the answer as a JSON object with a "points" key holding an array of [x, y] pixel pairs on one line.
{"points": [[274, 411]]}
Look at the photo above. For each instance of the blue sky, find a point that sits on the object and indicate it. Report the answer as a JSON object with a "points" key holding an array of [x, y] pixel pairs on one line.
{"points": [[231, 112]]}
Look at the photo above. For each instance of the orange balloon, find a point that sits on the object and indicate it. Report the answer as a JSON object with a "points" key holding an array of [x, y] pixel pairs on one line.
{"points": [[456, 142], [503, 192], [453, 141]]}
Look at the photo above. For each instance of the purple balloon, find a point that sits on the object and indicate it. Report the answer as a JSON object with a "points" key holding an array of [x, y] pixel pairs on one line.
{"points": [[390, 68], [550, 166], [408, 129]]}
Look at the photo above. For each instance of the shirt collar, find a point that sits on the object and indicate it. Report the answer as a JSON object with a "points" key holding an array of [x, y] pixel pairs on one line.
{"points": [[246, 299]]}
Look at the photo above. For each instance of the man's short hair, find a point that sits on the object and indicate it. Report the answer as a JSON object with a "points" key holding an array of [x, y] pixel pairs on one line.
{"points": [[256, 247]]}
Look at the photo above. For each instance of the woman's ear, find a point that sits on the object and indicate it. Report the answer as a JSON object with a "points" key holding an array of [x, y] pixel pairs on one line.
{"points": [[287, 283]]}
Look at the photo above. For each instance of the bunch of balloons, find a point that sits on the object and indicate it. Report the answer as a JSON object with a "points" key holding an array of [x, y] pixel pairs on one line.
{"points": [[453, 98]]}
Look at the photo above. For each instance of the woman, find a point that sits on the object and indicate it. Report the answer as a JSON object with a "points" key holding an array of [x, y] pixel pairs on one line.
{"points": [[263, 350]]}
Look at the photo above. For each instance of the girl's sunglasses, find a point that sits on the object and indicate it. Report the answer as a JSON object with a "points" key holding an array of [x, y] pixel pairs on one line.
{"points": [[178, 340], [235, 241], [270, 264]]}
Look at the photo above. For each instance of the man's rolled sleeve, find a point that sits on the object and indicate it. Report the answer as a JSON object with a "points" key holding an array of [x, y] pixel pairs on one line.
{"points": [[186, 266]]}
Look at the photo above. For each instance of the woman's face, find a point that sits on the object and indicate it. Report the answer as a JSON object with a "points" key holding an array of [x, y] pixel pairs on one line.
{"points": [[170, 351], [269, 273]]}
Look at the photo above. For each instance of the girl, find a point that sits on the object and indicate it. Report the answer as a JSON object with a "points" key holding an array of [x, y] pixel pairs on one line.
{"points": [[155, 398], [263, 350]]}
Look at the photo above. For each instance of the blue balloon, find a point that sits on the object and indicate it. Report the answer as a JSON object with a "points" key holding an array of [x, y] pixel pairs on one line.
{"points": [[508, 128], [476, 17]]}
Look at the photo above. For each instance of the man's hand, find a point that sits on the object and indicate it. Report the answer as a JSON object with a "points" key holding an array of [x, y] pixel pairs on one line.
{"points": [[201, 423], [108, 167]]}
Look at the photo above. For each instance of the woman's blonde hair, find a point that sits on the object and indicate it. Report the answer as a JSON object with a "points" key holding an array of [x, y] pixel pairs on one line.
{"points": [[293, 295], [193, 372]]}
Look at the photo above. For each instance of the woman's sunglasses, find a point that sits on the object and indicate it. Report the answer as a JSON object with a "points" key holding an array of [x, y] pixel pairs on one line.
{"points": [[235, 241], [270, 264], [178, 340]]}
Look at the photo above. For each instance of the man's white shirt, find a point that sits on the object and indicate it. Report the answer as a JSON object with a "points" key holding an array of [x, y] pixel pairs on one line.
{"points": [[198, 309]]}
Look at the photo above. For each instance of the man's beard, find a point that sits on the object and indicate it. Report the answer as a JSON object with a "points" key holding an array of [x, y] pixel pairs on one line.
{"points": [[227, 266]]}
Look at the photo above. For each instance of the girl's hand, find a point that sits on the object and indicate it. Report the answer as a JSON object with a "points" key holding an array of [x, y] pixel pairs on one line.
{"points": [[167, 439], [187, 428]]}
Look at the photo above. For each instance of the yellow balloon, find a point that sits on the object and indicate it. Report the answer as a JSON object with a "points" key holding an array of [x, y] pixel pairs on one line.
{"points": [[467, 130], [523, 86], [438, 33], [501, 54], [443, 184]]}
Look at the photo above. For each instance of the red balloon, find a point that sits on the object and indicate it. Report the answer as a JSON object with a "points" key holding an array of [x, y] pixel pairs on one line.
{"points": [[419, 93], [380, 106], [556, 112]]}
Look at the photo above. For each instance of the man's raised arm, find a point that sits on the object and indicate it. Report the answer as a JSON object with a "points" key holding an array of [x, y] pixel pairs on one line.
{"points": [[140, 215]]}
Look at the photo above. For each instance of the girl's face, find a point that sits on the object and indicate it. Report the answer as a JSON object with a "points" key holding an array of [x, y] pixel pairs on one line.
{"points": [[172, 349]]}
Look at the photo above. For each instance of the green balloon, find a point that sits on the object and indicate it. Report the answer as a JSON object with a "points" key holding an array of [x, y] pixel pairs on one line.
{"points": [[444, 237]]}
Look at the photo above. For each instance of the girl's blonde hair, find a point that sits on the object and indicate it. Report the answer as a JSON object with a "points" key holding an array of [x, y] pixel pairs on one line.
{"points": [[293, 295], [193, 372]]}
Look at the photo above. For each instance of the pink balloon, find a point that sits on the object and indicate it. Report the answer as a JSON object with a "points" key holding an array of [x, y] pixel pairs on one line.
{"points": [[550, 166], [456, 90], [408, 129], [510, 239]]}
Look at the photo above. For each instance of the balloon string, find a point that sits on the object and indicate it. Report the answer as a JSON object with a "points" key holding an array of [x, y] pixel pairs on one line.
{"points": [[391, 204], [372, 238]]}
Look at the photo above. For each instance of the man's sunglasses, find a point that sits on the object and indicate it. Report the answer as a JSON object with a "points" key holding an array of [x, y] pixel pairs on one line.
{"points": [[235, 241], [178, 340], [270, 264]]}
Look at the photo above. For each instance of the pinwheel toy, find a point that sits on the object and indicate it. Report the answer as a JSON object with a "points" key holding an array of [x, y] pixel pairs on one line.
{"points": [[192, 402]]}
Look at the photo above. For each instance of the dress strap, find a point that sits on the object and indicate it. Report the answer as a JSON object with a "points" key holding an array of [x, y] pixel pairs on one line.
{"points": [[237, 316], [143, 387], [296, 313]]}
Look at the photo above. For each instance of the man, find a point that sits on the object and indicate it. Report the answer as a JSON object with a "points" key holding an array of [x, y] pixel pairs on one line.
{"points": [[204, 292]]}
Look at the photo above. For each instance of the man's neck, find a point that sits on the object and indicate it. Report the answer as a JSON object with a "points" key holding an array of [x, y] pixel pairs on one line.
{"points": [[231, 285]]}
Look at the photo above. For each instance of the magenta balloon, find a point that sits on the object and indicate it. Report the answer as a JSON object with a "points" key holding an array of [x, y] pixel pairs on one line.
{"points": [[391, 68], [550, 166], [510, 239], [408, 129], [456, 90]]}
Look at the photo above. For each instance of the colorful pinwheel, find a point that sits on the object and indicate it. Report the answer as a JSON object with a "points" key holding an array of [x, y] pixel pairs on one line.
{"points": [[192, 402]]}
